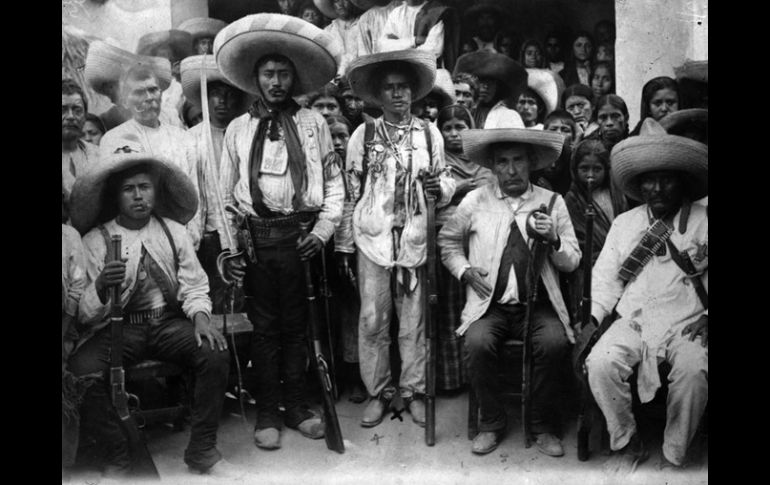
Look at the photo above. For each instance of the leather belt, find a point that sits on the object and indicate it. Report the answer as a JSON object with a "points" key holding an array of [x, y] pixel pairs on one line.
{"points": [[144, 315]]}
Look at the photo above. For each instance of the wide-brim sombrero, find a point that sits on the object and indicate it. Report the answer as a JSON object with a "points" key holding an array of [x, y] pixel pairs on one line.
{"points": [[547, 145], [179, 41], [548, 85], [190, 73], [202, 27], [105, 64], [239, 46], [655, 150], [367, 4], [175, 198], [485, 64], [687, 121], [362, 69]]}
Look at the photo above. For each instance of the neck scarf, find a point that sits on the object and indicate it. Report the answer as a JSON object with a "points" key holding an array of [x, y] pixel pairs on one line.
{"points": [[269, 123]]}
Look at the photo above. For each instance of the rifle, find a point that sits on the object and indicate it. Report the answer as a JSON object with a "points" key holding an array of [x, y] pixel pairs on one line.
{"points": [[431, 303], [583, 427], [326, 293], [540, 249], [332, 432], [142, 464]]}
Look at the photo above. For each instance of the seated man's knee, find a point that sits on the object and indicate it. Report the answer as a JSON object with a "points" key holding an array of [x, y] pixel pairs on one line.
{"points": [[479, 339], [691, 364], [601, 362]]}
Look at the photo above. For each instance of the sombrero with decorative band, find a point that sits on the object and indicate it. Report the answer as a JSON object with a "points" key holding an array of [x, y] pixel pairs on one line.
{"points": [[179, 41], [362, 70], [655, 150], [105, 63], [485, 64], [202, 27], [176, 197], [190, 71], [314, 53], [694, 121], [547, 145], [548, 85]]}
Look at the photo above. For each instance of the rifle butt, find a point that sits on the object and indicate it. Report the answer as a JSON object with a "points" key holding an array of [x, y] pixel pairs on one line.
{"points": [[142, 464], [430, 420]]}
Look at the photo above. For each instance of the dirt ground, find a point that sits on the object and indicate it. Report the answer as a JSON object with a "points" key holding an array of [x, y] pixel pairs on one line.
{"points": [[395, 453]]}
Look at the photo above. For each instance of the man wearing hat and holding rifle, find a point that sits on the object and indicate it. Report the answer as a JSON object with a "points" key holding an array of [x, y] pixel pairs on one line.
{"points": [[163, 295], [650, 294], [277, 168], [393, 162], [503, 221], [500, 78]]}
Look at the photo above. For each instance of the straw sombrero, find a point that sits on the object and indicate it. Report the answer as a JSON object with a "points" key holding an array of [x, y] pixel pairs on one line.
{"points": [[686, 121], [190, 70], [477, 144], [202, 27], [653, 150], [179, 41], [239, 46], [362, 69], [548, 85], [485, 64], [105, 63], [176, 197]]}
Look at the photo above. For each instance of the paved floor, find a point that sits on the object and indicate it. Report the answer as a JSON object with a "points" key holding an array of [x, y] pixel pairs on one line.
{"points": [[394, 453]]}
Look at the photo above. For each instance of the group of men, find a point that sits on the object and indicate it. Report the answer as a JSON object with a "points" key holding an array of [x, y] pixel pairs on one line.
{"points": [[164, 191]]}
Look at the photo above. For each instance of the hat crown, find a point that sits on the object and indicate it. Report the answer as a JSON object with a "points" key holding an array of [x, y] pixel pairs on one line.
{"points": [[650, 127]]}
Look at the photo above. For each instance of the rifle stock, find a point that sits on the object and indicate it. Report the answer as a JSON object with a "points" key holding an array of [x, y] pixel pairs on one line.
{"points": [[430, 323], [332, 431], [142, 464]]}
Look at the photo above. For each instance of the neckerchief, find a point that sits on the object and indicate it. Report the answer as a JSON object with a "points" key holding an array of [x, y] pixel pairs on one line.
{"points": [[271, 120]]}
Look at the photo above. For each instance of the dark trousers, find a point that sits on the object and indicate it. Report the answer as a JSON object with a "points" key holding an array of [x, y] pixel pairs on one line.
{"points": [[278, 310], [549, 346], [172, 340], [207, 254]]}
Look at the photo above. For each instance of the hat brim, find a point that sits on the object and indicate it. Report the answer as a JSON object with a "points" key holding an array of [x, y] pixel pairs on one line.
{"points": [[642, 154], [485, 64], [176, 197], [239, 46], [548, 85], [202, 27], [105, 64], [478, 143], [361, 73], [190, 74], [178, 40]]}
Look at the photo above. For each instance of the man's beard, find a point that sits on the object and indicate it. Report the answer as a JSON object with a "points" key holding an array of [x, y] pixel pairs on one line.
{"points": [[70, 133]]}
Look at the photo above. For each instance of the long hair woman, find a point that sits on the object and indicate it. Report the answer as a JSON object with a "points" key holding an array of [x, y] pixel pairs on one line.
{"points": [[660, 96]]}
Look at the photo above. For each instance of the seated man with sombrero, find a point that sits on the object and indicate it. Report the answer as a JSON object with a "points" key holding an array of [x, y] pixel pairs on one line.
{"points": [[651, 282], [392, 161], [278, 168], [500, 279], [500, 78], [164, 297]]}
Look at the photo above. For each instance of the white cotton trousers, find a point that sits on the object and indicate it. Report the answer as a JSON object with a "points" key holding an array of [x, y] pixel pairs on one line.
{"points": [[377, 304], [610, 364]]}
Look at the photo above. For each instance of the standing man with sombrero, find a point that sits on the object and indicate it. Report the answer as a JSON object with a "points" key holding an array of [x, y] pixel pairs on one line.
{"points": [[77, 156], [277, 168], [224, 102], [500, 78], [653, 275], [164, 296], [497, 219], [393, 161]]}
